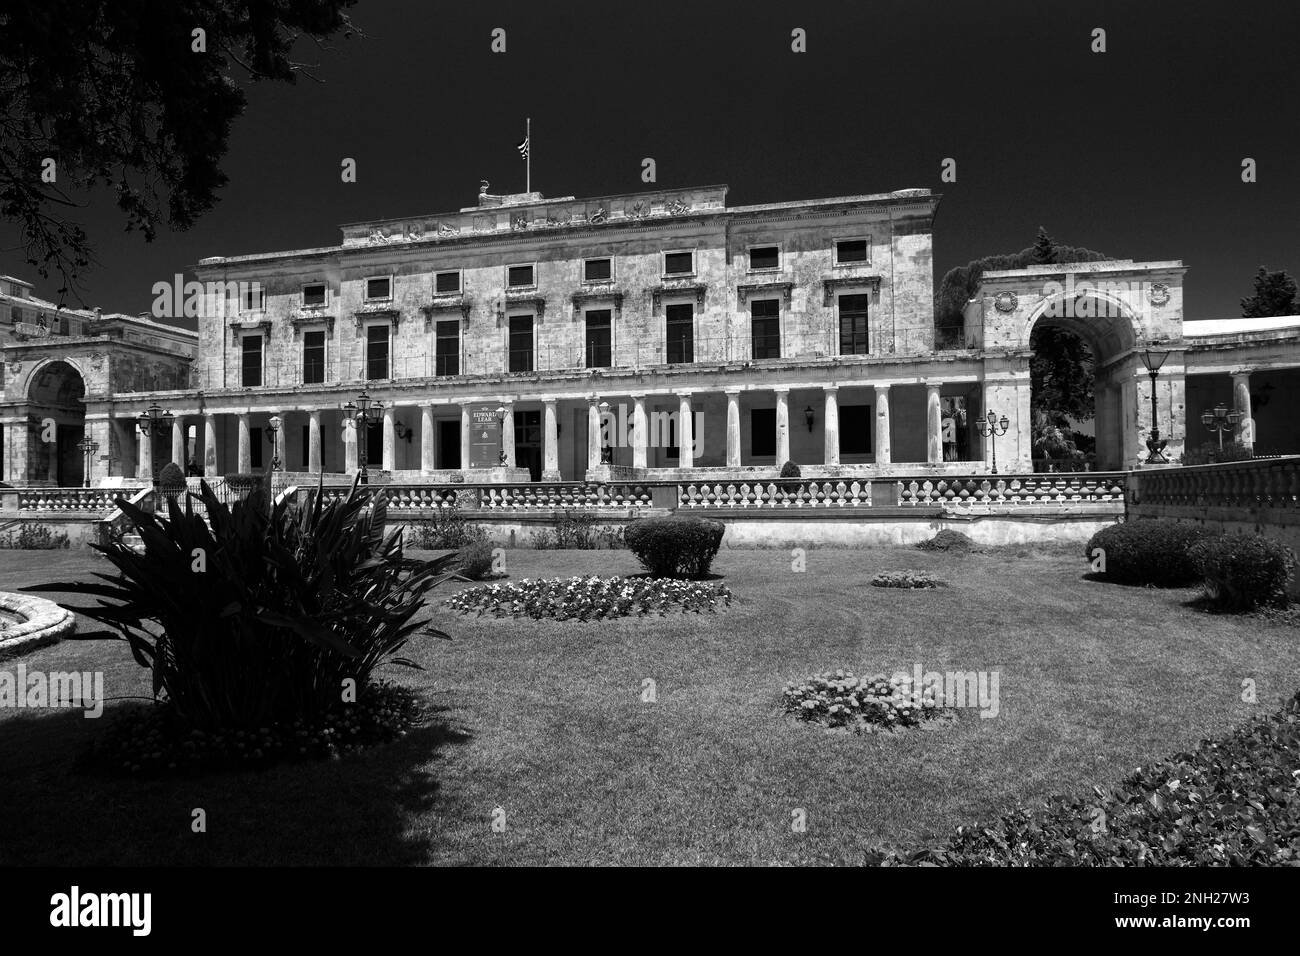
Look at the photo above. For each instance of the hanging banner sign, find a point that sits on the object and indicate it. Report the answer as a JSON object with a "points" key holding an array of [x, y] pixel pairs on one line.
{"points": [[484, 437]]}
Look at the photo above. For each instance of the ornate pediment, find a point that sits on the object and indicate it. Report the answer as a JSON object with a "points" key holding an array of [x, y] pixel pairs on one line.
{"points": [[579, 299], [746, 289], [831, 286], [678, 288]]}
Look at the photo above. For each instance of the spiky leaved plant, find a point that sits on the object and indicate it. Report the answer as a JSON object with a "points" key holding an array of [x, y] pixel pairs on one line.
{"points": [[261, 617]]}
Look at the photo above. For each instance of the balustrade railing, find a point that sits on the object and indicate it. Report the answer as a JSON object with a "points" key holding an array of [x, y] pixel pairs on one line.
{"points": [[1260, 483], [1045, 489], [71, 500], [774, 494]]}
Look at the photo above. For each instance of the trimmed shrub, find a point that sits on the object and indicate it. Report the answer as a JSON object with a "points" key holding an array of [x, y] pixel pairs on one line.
{"points": [[1152, 551], [790, 470], [475, 560], [449, 530], [171, 476], [681, 546], [948, 541], [1243, 572]]}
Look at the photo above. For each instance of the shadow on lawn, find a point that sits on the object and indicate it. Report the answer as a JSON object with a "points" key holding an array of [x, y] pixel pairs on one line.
{"points": [[355, 811]]}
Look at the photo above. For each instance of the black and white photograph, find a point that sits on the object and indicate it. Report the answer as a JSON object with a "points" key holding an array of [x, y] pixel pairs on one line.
{"points": [[632, 435]]}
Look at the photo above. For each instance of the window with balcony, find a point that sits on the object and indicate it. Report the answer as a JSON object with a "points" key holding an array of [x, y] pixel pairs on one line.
{"points": [[680, 327], [313, 296], [379, 288], [599, 339], [313, 357], [447, 348], [765, 328], [377, 349], [521, 343], [597, 270], [848, 251], [764, 258], [447, 283], [679, 263], [251, 361], [853, 324], [521, 277]]}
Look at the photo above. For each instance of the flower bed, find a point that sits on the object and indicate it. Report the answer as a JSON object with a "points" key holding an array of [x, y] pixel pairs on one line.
{"points": [[906, 579], [589, 599], [840, 699]]}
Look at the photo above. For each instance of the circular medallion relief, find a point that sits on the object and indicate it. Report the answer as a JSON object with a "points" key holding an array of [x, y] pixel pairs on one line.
{"points": [[1158, 294], [1006, 301]]}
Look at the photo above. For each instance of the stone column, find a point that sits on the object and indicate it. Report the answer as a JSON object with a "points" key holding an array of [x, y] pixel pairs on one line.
{"points": [[350, 456], [550, 442], [144, 460], [178, 441], [426, 438], [1241, 403], [390, 439], [593, 431], [733, 428], [508, 434], [640, 429], [314, 464], [464, 435], [831, 425], [245, 445], [782, 426], [211, 465], [685, 431], [882, 447], [933, 424]]}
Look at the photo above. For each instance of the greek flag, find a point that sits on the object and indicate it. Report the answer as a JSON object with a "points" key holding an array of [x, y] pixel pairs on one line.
{"points": [[522, 146]]}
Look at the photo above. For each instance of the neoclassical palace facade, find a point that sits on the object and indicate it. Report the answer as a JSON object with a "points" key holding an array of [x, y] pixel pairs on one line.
{"points": [[662, 334]]}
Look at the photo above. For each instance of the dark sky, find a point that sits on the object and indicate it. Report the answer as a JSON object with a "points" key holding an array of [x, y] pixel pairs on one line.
{"points": [[1135, 152]]}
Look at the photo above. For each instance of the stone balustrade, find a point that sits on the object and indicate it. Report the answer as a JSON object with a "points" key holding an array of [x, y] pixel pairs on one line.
{"points": [[1268, 484], [1014, 490], [70, 500], [774, 494]]}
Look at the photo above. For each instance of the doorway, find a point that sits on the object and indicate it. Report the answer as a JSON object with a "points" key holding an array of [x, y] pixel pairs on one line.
{"points": [[448, 444]]}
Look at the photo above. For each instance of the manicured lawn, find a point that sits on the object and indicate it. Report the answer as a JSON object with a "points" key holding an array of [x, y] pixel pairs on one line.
{"points": [[545, 720]]}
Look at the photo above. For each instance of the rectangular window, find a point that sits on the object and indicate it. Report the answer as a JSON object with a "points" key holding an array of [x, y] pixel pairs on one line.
{"points": [[597, 270], [762, 432], [306, 447], [680, 325], [679, 263], [764, 257], [447, 348], [599, 339], [313, 295], [255, 447], [446, 283], [379, 288], [521, 343], [251, 364], [518, 276], [765, 322], [313, 357], [377, 351], [253, 298], [855, 429], [853, 324], [850, 250]]}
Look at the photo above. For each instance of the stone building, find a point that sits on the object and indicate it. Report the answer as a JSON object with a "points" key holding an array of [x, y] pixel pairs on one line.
{"points": [[656, 335]]}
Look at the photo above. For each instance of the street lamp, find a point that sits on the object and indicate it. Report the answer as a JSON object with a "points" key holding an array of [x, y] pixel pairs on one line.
{"points": [[606, 451], [363, 413], [1155, 444], [991, 427], [88, 449], [501, 434], [272, 432], [1221, 420], [154, 421]]}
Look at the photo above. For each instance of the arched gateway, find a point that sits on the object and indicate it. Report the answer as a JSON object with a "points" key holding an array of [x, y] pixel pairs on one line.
{"points": [[56, 422]]}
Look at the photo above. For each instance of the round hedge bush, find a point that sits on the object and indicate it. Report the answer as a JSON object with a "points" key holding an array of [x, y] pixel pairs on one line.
{"points": [[1243, 572], [680, 546], [948, 540], [1152, 551], [790, 470]]}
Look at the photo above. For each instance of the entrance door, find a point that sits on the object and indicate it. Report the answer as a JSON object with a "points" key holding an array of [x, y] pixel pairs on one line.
{"points": [[528, 443], [448, 444], [70, 465]]}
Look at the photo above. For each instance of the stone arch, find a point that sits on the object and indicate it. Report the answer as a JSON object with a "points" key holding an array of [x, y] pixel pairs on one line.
{"points": [[56, 412], [1111, 329]]}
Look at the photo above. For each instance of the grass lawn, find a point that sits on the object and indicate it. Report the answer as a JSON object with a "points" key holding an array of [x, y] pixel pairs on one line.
{"points": [[545, 720]]}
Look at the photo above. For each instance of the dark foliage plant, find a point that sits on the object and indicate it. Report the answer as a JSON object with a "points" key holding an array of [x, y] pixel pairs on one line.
{"points": [[474, 561], [1242, 572], [790, 470], [448, 528], [1148, 551], [679, 546], [262, 617], [948, 540]]}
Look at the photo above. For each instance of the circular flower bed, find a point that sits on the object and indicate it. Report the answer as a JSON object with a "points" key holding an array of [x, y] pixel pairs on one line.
{"points": [[151, 741], [589, 599], [906, 579], [841, 699]]}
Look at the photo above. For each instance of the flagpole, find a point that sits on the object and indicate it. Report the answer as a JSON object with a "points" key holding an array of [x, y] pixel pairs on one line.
{"points": [[528, 160]]}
